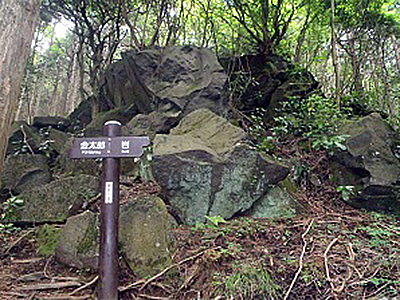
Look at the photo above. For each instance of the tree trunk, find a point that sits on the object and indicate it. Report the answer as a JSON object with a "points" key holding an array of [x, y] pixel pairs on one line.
{"points": [[396, 52], [17, 27], [335, 58]]}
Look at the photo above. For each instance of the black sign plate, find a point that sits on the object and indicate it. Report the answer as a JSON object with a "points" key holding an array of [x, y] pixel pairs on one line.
{"points": [[103, 147]]}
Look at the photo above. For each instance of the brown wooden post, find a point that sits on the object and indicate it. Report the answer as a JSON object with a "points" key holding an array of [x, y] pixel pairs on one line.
{"points": [[108, 260], [111, 148]]}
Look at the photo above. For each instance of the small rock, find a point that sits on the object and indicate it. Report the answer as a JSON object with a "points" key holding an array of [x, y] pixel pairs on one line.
{"points": [[78, 245]]}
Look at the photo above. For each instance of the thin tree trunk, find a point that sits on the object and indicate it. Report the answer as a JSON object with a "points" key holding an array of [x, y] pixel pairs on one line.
{"points": [[17, 27], [302, 36], [396, 53], [335, 58], [355, 67]]}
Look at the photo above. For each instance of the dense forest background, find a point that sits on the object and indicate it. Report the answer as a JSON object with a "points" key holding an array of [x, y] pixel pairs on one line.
{"points": [[350, 46]]}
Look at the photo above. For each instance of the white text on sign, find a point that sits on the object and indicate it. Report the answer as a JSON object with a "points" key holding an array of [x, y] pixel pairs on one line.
{"points": [[124, 146]]}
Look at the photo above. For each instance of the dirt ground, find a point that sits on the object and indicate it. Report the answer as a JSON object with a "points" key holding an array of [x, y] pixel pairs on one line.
{"points": [[351, 255]]}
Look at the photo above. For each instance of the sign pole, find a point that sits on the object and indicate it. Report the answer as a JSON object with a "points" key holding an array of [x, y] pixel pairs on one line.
{"points": [[108, 260], [111, 148]]}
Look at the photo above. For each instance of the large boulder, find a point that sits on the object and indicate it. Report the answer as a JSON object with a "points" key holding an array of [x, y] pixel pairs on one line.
{"points": [[78, 245], [205, 168], [181, 78], [369, 165], [145, 239], [24, 172], [57, 200]]}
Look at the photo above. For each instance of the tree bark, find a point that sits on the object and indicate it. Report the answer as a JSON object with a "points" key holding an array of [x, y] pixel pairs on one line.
{"points": [[17, 27]]}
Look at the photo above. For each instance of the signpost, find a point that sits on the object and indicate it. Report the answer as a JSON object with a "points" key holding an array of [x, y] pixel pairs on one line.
{"points": [[111, 148]]}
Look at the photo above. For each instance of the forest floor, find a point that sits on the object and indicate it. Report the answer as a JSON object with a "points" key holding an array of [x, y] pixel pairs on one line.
{"points": [[331, 251], [347, 255]]}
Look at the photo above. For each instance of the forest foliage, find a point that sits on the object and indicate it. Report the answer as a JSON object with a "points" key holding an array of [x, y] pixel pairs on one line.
{"points": [[350, 46]]}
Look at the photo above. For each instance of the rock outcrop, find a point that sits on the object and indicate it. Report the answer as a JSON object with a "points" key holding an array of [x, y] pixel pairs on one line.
{"points": [[369, 165], [24, 172], [205, 168], [58, 200], [171, 81]]}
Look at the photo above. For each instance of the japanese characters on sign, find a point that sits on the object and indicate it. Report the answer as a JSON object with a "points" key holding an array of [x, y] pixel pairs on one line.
{"points": [[109, 147]]}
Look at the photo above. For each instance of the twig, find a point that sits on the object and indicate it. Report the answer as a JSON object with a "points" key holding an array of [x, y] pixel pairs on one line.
{"points": [[84, 286], [46, 266], [32, 296], [153, 297], [49, 286], [300, 259], [131, 286], [378, 291], [175, 265], [66, 297], [19, 240], [326, 262], [20, 295], [26, 140]]}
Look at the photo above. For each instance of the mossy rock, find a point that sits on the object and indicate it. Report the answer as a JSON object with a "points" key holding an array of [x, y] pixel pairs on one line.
{"points": [[78, 245], [144, 236], [47, 238], [58, 200]]}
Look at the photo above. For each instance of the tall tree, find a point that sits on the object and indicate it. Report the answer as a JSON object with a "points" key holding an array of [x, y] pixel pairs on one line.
{"points": [[17, 27]]}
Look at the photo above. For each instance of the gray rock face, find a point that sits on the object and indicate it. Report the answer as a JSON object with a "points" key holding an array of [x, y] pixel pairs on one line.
{"points": [[144, 235], [182, 79], [369, 165], [51, 121], [24, 172], [78, 245], [205, 168], [155, 122], [59, 199], [277, 202]]}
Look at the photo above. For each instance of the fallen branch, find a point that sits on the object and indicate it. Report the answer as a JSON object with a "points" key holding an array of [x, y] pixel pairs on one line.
{"points": [[66, 297], [14, 294], [19, 240], [175, 265], [153, 297], [46, 266], [84, 286], [26, 139], [326, 262], [300, 259], [49, 286]]}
